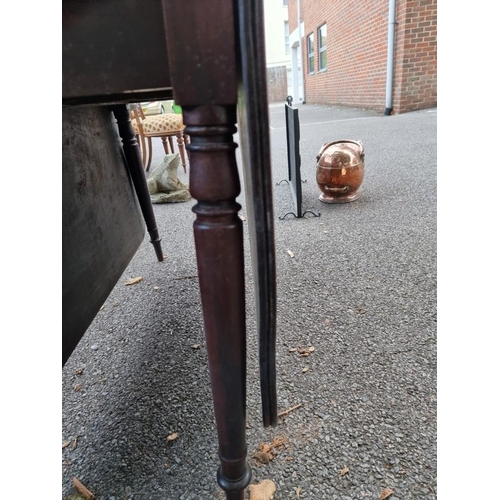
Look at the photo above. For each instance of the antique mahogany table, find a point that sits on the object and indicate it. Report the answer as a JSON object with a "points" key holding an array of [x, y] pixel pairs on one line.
{"points": [[210, 58]]}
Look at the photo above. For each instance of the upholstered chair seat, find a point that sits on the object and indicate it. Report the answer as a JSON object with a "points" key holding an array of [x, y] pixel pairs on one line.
{"points": [[165, 126], [158, 124]]}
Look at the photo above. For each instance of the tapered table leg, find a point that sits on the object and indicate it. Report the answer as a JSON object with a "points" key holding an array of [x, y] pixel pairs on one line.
{"points": [[136, 169], [218, 234]]}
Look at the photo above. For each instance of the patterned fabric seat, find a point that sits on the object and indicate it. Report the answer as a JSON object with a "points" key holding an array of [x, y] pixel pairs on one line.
{"points": [[165, 126], [158, 124]]}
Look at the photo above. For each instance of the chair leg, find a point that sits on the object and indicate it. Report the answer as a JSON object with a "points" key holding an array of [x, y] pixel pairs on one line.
{"points": [[171, 142], [180, 143], [165, 146], [149, 154], [142, 147]]}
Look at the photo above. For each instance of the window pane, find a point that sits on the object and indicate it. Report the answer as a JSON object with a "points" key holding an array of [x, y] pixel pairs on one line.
{"points": [[322, 36], [322, 60]]}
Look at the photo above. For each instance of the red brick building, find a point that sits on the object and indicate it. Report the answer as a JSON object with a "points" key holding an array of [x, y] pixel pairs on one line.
{"points": [[346, 46]]}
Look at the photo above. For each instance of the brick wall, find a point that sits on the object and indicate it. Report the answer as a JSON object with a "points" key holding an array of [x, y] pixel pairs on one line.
{"points": [[357, 53], [415, 54], [277, 87]]}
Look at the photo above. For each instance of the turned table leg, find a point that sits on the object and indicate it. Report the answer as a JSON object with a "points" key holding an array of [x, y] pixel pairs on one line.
{"points": [[218, 234], [136, 169]]}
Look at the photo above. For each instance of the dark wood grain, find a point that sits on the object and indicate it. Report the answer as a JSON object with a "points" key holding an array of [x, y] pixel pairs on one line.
{"points": [[136, 169], [112, 47], [209, 113], [102, 225], [253, 123], [201, 51], [218, 233]]}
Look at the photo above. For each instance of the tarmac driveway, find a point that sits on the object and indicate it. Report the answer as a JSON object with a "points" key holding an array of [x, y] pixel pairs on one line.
{"points": [[360, 288]]}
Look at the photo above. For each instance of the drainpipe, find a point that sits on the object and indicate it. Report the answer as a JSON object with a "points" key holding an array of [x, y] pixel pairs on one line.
{"points": [[301, 54], [390, 57]]}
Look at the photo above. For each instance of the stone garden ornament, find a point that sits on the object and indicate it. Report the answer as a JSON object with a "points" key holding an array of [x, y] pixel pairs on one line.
{"points": [[163, 184]]}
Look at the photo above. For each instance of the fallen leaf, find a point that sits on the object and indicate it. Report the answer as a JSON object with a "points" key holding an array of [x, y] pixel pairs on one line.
{"points": [[173, 436], [133, 281], [262, 491], [278, 442], [386, 493], [291, 254], [289, 459], [306, 351], [327, 322], [75, 441], [267, 452], [344, 471], [195, 346], [298, 489], [263, 458], [77, 387], [292, 349], [305, 369], [80, 488], [78, 371], [65, 444]]}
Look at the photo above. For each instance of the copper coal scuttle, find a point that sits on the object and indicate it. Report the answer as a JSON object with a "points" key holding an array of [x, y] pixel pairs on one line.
{"points": [[340, 171]]}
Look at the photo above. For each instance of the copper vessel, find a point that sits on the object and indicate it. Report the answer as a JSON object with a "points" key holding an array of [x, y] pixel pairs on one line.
{"points": [[340, 171]]}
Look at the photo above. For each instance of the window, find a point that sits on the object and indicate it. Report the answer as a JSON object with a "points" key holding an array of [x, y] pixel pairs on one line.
{"points": [[310, 53], [287, 38], [322, 48]]}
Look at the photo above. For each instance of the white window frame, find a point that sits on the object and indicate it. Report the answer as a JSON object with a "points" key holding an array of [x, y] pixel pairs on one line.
{"points": [[287, 37], [321, 49], [310, 53]]}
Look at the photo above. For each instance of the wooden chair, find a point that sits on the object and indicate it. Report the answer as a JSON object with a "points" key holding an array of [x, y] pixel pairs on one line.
{"points": [[165, 126]]}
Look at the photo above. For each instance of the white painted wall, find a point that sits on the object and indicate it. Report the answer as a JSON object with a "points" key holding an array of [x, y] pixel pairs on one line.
{"points": [[275, 15]]}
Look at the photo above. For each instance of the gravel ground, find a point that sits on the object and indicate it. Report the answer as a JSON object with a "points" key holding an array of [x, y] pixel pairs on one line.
{"points": [[361, 289]]}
